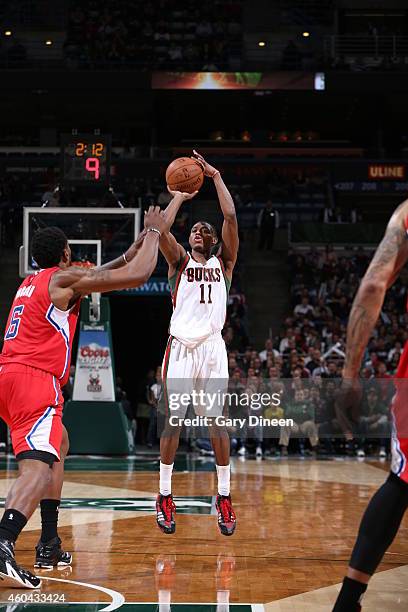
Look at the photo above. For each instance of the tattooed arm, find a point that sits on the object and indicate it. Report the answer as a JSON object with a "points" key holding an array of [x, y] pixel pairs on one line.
{"points": [[384, 268], [390, 257]]}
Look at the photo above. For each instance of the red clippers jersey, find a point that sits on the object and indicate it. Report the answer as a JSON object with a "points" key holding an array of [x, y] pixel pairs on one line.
{"points": [[37, 333]]}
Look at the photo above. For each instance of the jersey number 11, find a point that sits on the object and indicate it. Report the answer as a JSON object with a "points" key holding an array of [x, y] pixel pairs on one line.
{"points": [[202, 301]]}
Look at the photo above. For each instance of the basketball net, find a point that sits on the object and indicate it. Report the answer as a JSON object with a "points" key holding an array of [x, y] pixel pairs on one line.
{"points": [[95, 298]]}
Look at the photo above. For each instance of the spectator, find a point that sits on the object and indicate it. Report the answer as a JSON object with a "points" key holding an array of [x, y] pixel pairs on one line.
{"points": [[304, 308], [268, 221], [302, 414], [315, 361], [374, 422]]}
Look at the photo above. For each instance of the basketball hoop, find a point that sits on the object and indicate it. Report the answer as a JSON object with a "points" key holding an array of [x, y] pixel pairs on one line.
{"points": [[95, 298]]}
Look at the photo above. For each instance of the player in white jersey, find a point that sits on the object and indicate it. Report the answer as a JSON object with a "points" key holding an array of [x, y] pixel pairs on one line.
{"points": [[195, 365]]}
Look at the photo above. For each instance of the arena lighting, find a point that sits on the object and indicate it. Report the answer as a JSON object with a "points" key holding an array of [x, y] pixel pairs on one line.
{"points": [[7, 33], [48, 43], [209, 80], [261, 43], [217, 135], [306, 34]]}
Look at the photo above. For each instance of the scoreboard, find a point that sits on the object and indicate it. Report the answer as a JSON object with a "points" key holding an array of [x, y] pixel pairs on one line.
{"points": [[85, 159]]}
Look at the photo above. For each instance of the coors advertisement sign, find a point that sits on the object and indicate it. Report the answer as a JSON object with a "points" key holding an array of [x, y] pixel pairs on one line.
{"points": [[94, 374]]}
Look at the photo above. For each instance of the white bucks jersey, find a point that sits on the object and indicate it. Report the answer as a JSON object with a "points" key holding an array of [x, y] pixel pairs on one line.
{"points": [[199, 294]]}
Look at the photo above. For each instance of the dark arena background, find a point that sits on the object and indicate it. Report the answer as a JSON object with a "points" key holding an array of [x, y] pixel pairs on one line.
{"points": [[302, 107]]}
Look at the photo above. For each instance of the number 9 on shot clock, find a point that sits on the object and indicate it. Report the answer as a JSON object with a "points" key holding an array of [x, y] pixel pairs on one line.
{"points": [[85, 159]]}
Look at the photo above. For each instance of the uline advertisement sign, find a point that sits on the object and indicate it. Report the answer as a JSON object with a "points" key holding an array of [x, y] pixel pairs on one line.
{"points": [[381, 172]]}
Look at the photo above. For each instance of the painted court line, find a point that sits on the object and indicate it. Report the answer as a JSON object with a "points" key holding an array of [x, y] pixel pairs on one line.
{"points": [[117, 598]]}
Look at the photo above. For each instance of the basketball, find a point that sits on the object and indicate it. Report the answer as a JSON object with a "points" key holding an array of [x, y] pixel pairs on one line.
{"points": [[185, 174]]}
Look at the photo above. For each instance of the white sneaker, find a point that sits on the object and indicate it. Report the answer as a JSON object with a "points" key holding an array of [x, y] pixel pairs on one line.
{"points": [[242, 451], [383, 453], [360, 453], [11, 574], [258, 451]]}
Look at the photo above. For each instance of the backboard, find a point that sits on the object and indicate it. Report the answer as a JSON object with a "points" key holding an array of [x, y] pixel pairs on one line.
{"points": [[96, 235]]}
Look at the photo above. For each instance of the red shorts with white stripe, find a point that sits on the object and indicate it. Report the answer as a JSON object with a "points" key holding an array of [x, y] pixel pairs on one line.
{"points": [[399, 412], [399, 436], [31, 404]]}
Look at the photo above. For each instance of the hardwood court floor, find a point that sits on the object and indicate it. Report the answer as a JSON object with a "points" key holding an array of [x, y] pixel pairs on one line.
{"points": [[297, 521]]}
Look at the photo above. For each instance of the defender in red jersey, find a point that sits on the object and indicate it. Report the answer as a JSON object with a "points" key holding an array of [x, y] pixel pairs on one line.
{"points": [[386, 509], [37, 351], [34, 365]]}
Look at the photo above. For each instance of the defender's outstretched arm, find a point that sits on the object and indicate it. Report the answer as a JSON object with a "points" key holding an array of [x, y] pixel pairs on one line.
{"points": [[127, 256], [390, 257], [71, 282]]}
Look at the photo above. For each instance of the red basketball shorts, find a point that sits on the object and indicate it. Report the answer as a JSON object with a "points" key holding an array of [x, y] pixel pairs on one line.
{"points": [[31, 404], [399, 437]]}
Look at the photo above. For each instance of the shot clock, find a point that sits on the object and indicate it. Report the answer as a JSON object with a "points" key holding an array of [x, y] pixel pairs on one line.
{"points": [[85, 159]]}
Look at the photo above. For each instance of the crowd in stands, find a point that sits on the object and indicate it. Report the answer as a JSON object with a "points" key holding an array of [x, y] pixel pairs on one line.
{"points": [[167, 34], [313, 336], [303, 362], [286, 188]]}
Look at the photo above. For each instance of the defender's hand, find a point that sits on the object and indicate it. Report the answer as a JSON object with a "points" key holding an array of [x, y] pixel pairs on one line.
{"points": [[208, 169], [348, 403], [182, 194], [154, 218]]}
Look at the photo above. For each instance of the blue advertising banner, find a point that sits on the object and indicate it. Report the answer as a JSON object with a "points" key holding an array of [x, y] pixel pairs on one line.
{"points": [[154, 286]]}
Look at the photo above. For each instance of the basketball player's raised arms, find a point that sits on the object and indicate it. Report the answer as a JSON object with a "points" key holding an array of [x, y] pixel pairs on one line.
{"points": [[390, 256], [230, 239], [169, 247], [70, 282]]}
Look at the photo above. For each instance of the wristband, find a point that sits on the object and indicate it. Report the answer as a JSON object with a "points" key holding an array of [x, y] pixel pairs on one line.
{"points": [[215, 173], [154, 229], [124, 258]]}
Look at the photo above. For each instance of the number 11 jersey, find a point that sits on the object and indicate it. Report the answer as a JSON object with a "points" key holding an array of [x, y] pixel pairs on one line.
{"points": [[199, 293]]}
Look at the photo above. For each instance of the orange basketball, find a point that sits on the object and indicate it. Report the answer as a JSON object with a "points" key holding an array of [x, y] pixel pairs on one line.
{"points": [[185, 174]]}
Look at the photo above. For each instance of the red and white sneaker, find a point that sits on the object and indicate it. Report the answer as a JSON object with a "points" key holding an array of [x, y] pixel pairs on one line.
{"points": [[165, 507], [226, 516]]}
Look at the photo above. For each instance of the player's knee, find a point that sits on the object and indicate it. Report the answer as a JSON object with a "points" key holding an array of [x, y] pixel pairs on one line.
{"points": [[170, 432], [47, 478], [36, 474], [218, 431]]}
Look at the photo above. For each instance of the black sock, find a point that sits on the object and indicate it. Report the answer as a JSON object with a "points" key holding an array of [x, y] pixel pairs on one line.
{"points": [[49, 519], [12, 524], [349, 596]]}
